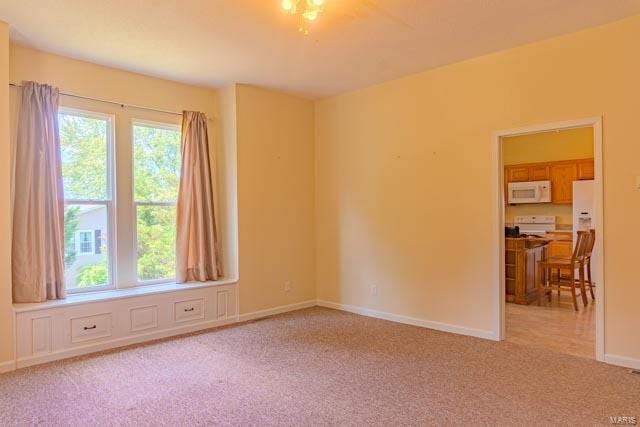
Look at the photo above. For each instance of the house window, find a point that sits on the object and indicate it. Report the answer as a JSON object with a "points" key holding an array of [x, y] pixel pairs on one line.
{"points": [[84, 242], [156, 173], [86, 146]]}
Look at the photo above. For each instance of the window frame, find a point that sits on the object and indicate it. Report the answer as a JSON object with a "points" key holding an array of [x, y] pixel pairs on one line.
{"points": [[135, 204], [109, 202]]}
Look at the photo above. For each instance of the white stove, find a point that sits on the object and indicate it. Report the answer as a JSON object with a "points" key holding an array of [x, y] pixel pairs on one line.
{"points": [[538, 224]]}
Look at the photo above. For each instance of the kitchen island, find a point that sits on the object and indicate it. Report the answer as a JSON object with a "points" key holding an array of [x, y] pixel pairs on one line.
{"points": [[521, 258]]}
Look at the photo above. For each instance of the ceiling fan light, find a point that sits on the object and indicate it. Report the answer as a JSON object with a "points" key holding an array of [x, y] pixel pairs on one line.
{"points": [[306, 10], [310, 15]]}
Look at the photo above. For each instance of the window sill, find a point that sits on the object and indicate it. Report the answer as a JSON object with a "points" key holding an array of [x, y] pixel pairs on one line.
{"points": [[114, 294]]}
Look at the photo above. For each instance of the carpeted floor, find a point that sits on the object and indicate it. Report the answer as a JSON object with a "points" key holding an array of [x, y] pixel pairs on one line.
{"points": [[320, 367]]}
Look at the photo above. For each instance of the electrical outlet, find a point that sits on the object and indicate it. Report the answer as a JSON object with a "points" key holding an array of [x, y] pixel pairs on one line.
{"points": [[287, 286], [374, 290]]}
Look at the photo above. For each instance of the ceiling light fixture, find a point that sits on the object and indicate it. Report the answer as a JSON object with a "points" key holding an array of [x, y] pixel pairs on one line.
{"points": [[308, 10]]}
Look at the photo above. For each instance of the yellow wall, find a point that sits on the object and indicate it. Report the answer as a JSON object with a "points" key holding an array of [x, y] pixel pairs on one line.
{"points": [[275, 198], [405, 188], [567, 144], [6, 346]]}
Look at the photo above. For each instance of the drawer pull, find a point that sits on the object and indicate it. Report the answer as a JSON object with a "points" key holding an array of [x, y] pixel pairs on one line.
{"points": [[189, 309], [86, 328]]}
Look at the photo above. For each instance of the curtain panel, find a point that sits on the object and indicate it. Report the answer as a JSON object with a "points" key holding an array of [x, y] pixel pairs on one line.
{"points": [[197, 250], [38, 216]]}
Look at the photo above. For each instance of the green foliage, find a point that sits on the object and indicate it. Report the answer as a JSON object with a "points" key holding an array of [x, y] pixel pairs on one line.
{"points": [[70, 226], [93, 274], [157, 175], [156, 242], [156, 158], [83, 145]]}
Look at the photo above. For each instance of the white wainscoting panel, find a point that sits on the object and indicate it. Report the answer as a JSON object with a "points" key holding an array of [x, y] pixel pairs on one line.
{"points": [[144, 318], [41, 335], [222, 298]]}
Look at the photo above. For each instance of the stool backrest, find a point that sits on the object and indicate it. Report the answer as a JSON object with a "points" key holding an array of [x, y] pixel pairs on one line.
{"points": [[582, 244]]}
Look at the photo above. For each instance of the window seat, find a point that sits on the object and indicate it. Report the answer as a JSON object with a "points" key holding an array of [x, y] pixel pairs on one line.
{"points": [[114, 294], [95, 321]]}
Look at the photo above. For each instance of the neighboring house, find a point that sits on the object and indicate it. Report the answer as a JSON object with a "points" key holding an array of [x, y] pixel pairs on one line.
{"points": [[89, 241]]}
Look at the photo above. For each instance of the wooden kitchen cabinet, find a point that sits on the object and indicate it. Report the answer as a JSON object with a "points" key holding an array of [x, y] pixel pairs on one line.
{"points": [[539, 172], [518, 174], [521, 272], [586, 169], [561, 174], [562, 177]]}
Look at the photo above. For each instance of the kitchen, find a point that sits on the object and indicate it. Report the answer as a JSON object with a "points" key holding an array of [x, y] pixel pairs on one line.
{"points": [[549, 198]]}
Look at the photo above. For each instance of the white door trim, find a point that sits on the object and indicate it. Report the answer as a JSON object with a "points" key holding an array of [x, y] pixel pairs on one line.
{"points": [[498, 179]]}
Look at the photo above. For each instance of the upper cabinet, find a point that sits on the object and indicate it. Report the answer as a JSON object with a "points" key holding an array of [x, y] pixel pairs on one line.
{"points": [[560, 173], [539, 172], [586, 169], [518, 174], [562, 177]]}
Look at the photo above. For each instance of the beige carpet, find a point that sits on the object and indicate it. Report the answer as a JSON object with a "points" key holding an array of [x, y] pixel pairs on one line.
{"points": [[320, 367]]}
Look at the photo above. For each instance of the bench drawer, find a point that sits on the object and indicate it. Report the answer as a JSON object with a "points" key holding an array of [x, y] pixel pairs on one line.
{"points": [[90, 327], [187, 310]]}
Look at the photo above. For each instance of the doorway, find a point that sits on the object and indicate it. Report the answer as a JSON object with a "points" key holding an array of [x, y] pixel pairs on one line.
{"points": [[520, 319]]}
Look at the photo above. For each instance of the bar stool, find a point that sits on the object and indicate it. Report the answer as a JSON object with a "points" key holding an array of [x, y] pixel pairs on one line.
{"points": [[587, 264], [568, 282]]}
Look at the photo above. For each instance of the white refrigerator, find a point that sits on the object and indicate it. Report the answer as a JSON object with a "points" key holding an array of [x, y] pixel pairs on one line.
{"points": [[584, 213]]}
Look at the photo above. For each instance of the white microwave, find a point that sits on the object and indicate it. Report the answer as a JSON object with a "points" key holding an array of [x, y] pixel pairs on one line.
{"points": [[529, 192]]}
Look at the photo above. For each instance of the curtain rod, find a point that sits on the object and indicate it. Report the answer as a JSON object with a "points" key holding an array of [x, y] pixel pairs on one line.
{"points": [[121, 104]]}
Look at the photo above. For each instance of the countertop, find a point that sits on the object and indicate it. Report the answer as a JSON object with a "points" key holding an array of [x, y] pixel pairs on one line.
{"points": [[552, 236], [529, 242]]}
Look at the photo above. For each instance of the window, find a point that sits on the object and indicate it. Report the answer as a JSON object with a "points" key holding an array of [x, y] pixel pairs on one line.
{"points": [[86, 143], [84, 242], [156, 172], [132, 202]]}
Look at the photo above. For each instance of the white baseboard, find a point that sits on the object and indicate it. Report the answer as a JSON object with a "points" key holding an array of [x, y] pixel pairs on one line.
{"points": [[625, 362], [7, 366], [276, 310], [439, 326], [120, 342]]}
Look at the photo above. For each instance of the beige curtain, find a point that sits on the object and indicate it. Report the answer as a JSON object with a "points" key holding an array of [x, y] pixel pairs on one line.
{"points": [[38, 214], [197, 252]]}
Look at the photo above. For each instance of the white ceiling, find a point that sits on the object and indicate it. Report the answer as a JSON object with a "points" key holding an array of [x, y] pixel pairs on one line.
{"points": [[355, 43]]}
